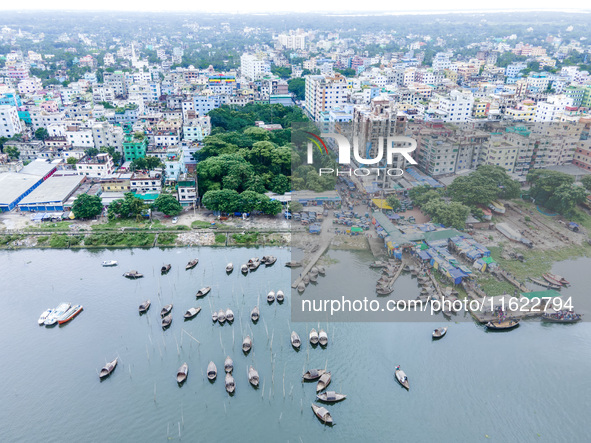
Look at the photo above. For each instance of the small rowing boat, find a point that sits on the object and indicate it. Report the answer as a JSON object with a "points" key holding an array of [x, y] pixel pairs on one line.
{"points": [[323, 415], [166, 310], [280, 296], [401, 377], [330, 397], [221, 316], [322, 337], [203, 292], [253, 376], [144, 307], [228, 365], [164, 269], [270, 297], [212, 371], [439, 332], [255, 314], [108, 369], [229, 315], [229, 268], [323, 382], [230, 384], [295, 340], [247, 345], [313, 374], [133, 275], [192, 264], [502, 325], [244, 269], [110, 263], [182, 373], [166, 321], [191, 312], [313, 337]]}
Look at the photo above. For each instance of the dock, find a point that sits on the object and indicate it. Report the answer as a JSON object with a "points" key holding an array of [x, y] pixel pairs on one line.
{"points": [[315, 257]]}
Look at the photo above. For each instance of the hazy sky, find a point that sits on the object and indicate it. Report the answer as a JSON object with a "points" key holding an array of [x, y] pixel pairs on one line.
{"points": [[233, 6]]}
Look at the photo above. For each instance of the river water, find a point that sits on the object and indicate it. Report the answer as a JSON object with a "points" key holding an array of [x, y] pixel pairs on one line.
{"points": [[531, 384]]}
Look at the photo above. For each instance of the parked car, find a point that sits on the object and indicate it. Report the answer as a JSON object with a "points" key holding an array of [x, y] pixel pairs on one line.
{"points": [[175, 220]]}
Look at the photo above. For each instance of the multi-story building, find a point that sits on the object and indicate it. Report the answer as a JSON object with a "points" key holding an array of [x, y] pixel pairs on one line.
{"points": [[146, 183], [186, 190], [105, 134], [455, 108], [324, 93], [552, 109], [134, 147], [196, 129], [254, 66], [117, 80], [100, 166], [10, 124]]}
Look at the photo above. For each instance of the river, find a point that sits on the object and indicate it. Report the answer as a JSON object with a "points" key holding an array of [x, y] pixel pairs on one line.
{"points": [[530, 384]]}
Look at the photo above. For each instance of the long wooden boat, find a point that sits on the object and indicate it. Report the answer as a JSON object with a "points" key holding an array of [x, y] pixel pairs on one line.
{"points": [[192, 264], [228, 364], [192, 312], [269, 260], [203, 291], [221, 316], [108, 369], [229, 268], [246, 344], [229, 315], [255, 314], [244, 269], [559, 278], [402, 378], [552, 280], [253, 376], [166, 321], [212, 371], [313, 374], [322, 337], [214, 316], [70, 314], [295, 340], [166, 310], [293, 264], [330, 397], [280, 296], [323, 415], [230, 384], [133, 275], [497, 207], [270, 297], [439, 332], [503, 325], [164, 269], [560, 317], [323, 382], [144, 306], [545, 284], [182, 373], [313, 337]]}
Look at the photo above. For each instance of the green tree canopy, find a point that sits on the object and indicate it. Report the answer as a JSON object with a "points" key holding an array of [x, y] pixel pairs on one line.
{"points": [[87, 206], [393, 201], [483, 186], [41, 134], [128, 207], [451, 214], [586, 181], [167, 204]]}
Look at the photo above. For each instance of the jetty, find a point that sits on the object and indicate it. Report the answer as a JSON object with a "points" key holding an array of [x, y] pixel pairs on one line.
{"points": [[313, 260]]}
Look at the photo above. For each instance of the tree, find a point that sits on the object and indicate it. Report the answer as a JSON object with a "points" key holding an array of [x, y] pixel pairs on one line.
{"points": [[12, 152], [484, 185], [280, 184], [113, 152], [72, 160], [87, 206], [91, 152], [224, 200], [393, 201], [297, 86], [41, 134], [586, 181], [451, 214], [566, 198], [296, 206], [167, 204], [128, 207], [544, 183], [423, 194]]}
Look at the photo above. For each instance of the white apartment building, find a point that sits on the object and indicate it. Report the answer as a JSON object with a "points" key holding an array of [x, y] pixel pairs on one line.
{"points": [[196, 129], [29, 86], [117, 81], [99, 166], [441, 61], [105, 134], [457, 107], [141, 77], [254, 66], [9, 122], [324, 93], [148, 92], [80, 137], [552, 110], [293, 40], [103, 93]]}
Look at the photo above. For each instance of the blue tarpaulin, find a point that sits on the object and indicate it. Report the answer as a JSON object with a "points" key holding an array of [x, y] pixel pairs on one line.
{"points": [[424, 255]]}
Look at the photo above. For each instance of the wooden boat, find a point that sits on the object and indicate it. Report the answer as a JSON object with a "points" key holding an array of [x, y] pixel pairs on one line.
{"points": [[559, 278], [253, 264], [497, 207], [439, 332], [269, 260], [192, 264], [330, 397], [295, 340], [166, 310], [321, 270], [313, 278], [323, 382], [322, 337], [221, 316], [253, 376], [545, 284], [402, 378], [293, 264], [70, 314], [230, 384], [270, 297], [191, 312], [212, 371], [228, 365], [164, 269], [280, 296], [384, 290], [203, 292], [561, 317], [551, 280], [323, 414], [503, 325], [229, 268], [145, 306], [313, 374], [110, 263], [244, 269], [166, 321], [108, 369], [301, 287], [255, 314], [306, 280], [378, 264], [214, 316], [247, 344], [182, 373], [314, 270], [229, 315], [313, 337], [133, 275], [44, 316]]}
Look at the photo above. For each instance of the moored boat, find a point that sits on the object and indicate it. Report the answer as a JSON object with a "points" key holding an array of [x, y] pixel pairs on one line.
{"points": [[110, 263], [306, 279], [221, 316], [313, 374], [330, 397], [253, 264], [323, 381], [313, 336], [182, 373], [246, 344], [56, 314], [229, 268], [401, 377], [229, 315], [244, 269], [228, 365], [255, 314], [214, 316], [301, 287], [561, 317], [322, 337], [321, 270], [203, 291], [295, 340], [166, 321], [108, 369], [280, 296], [212, 371], [270, 297], [191, 312], [269, 260], [313, 278], [230, 384], [323, 415], [439, 332], [164, 269], [559, 278], [545, 284], [70, 314], [497, 207], [44, 316], [133, 275], [192, 264], [502, 325], [253, 376], [293, 264], [166, 310], [144, 306]]}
